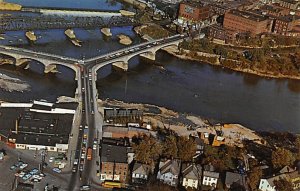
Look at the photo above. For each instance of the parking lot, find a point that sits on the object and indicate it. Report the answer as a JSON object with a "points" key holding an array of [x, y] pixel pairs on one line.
{"points": [[21, 166]]}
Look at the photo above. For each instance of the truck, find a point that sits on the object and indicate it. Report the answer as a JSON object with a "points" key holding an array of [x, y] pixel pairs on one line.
{"points": [[89, 153]]}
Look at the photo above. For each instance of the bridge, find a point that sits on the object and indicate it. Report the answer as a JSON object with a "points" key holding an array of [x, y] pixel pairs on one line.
{"points": [[44, 22], [86, 75]]}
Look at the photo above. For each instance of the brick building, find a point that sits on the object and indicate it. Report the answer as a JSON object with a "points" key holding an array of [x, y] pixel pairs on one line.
{"points": [[290, 4], [193, 12], [286, 25], [243, 22], [114, 163]]}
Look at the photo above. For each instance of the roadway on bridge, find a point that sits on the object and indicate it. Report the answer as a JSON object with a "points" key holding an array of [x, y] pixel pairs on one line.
{"points": [[87, 76]]}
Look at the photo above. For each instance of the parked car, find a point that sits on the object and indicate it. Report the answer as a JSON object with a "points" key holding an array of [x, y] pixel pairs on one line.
{"points": [[51, 159], [23, 166], [57, 170], [34, 171], [13, 167]]}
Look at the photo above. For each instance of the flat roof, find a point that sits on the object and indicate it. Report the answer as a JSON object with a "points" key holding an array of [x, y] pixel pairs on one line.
{"points": [[248, 15], [113, 153]]}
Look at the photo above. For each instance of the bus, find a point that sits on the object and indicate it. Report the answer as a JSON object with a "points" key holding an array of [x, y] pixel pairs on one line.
{"points": [[89, 153], [111, 184]]}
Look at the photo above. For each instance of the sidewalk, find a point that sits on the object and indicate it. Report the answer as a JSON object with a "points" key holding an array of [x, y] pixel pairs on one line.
{"points": [[73, 139]]}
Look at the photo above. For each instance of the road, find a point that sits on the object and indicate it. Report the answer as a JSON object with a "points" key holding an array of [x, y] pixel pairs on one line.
{"points": [[87, 93]]}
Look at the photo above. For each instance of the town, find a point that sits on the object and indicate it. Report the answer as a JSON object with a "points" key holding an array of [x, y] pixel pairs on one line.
{"points": [[87, 143]]}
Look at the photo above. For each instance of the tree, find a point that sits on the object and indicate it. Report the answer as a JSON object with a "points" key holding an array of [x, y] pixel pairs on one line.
{"points": [[297, 144], [186, 148], [282, 157], [170, 147], [283, 185], [220, 50], [147, 150], [254, 178]]}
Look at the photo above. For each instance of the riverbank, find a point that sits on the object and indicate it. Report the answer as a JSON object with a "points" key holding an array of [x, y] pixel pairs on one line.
{"points": [[186, 124], [213, 59], [11, 84], [273, 68]]}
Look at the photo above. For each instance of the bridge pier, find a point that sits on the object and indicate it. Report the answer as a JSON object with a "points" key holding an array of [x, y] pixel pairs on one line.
{"points": [[20, 62], [50, 69], [121, 66], [148, 55]]}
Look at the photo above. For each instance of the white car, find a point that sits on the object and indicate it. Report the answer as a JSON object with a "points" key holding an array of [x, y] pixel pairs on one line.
{"points": [[51, 159], [23, 166]]}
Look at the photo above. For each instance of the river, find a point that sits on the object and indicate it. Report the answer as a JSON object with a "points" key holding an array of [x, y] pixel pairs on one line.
{"points": [[184, 86]]}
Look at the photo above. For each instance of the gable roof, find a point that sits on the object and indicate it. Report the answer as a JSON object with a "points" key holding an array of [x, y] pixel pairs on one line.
{"points": [[141, 169], [211, 174], [172, 166], [232, 177], [272, 179], [192, 171]]}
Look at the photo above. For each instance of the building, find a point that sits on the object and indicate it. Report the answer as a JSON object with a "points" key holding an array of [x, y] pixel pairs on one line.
{"points": [[246, 22], [169, 171], [122, 117], [267, 184], [191, 174], [210, 178], [140, 173], [289, 4], [233, 180], [114, 163], [294, 178], [193, 12], [38, 125], [288, 25], [123, 131]]}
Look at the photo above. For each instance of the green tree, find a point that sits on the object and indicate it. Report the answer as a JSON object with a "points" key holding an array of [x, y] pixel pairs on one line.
{"points": [[282, 157], [254, 178], [186, 148], [147, 150], [170, 147], [283, 185]]}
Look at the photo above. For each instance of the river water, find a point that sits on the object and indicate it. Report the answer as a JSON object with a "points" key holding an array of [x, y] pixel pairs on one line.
{"points": [[185, 86]]}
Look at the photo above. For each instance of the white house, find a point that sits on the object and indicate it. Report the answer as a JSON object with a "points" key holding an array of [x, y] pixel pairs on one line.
{"points": [[268, 184], [140, 173], [191, 175], [169, 171], [210, 178]]}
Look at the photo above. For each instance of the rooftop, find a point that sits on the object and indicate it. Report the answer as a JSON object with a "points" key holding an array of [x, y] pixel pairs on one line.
{"points": [[235, 178], [172, 166], [248, 15], [113, 153]]}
